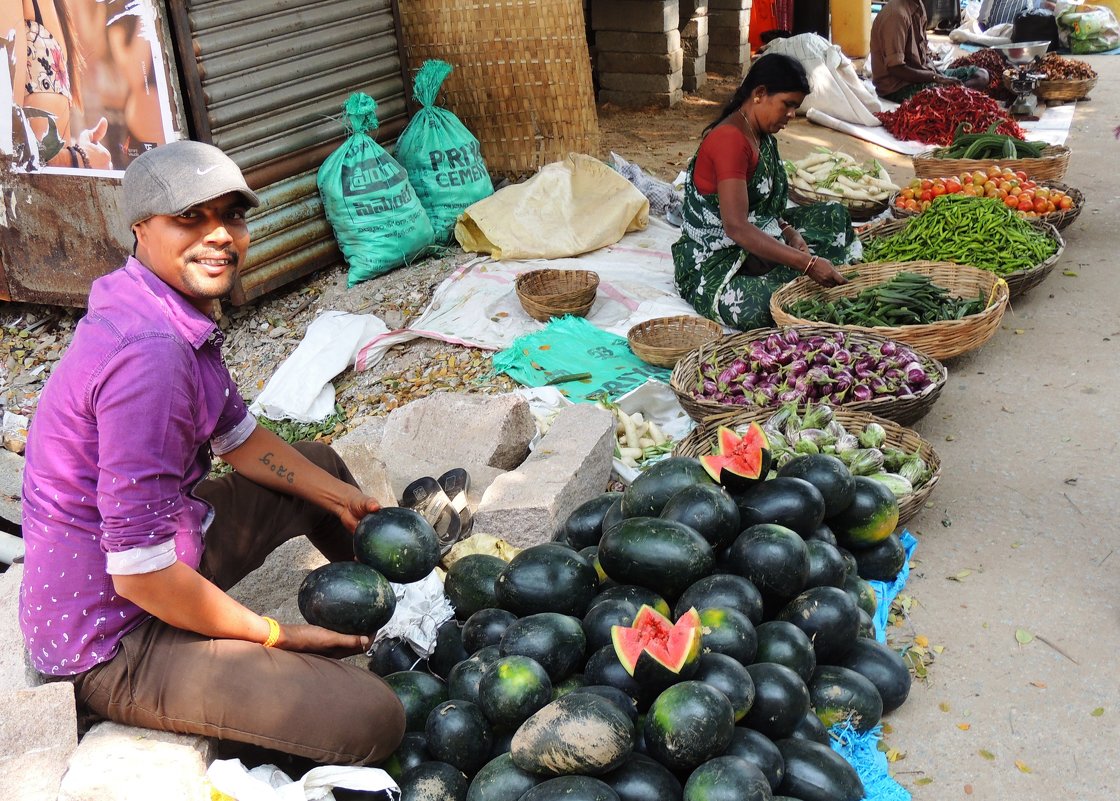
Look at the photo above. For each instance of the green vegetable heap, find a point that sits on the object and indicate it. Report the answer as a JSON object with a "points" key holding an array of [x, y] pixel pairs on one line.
{"points": [[966, 230], [989, 145], [906, 299]]}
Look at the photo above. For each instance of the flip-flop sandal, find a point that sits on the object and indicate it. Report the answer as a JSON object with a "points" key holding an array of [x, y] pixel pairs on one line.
{"points": [[426, 496], [456, 483]]}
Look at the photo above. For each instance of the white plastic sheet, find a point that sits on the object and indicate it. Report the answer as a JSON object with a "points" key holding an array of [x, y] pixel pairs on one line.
{"points": [[269, 783]]}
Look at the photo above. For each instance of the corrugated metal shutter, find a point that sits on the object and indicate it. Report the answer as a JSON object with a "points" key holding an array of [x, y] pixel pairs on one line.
{"points": [[266, 85]]}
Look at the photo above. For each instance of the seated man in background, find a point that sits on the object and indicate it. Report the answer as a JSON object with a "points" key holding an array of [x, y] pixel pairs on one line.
{"points": [[900, 60]]}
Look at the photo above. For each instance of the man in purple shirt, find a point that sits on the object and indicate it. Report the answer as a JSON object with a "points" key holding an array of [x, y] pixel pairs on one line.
{"points": [[130, 547]]}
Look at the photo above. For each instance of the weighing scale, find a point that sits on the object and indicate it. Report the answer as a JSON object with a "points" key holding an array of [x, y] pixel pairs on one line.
{"points": [[1024, 57]]}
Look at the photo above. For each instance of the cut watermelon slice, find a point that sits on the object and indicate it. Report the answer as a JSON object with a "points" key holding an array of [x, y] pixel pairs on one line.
{"points": [[738, 461], [655, 650]]}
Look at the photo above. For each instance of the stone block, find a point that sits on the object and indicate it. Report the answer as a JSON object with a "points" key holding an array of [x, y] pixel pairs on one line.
{"points": [[642, 99], [11, 474], [729, 56], [570, 465], [642, 63], [38, 735], [636, 82], [693, 8], [728, 5], [694, 83], [649, 16], [461, 430], [637, 42], [694, 48], [272, 588], [729, 28], [693, 67], [733, 69], [361, 450], [125, 763], [697, 26], [15, 673]]}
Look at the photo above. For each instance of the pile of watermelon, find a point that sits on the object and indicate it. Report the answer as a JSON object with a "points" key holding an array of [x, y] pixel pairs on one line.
{"points": [[676, 641]]}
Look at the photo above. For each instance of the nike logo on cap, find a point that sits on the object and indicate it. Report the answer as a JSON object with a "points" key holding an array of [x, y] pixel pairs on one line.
{"points": [[201, 171]]}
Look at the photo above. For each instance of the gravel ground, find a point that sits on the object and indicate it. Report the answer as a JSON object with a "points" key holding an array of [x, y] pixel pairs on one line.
{"points": [[261, 334]]}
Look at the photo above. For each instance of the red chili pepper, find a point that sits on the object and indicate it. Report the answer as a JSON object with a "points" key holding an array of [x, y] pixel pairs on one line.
{"points": [[932, 115]]}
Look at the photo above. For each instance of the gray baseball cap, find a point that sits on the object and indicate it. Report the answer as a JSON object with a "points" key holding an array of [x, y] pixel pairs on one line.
{"points": [[171, 178]]}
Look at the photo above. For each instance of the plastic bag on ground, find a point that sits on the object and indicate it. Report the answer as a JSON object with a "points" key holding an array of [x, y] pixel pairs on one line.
{"points": [[443, 159], [1087, 28], [377, 219], [229, 778]]}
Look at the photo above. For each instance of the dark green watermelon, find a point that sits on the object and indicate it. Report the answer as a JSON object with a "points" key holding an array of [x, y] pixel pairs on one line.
{"points": [[603, 667], [688, 724], [815, 772], [783, 643], [571, 788], [828, 474], [822, 533], [862, 593], [829, 616], [503, 740], [398, 543], [568, 684], [547, 578], [584, 525], [463, 681], [871, 516], [728, 631], [512, 689], [392, 655], [659, 482], [556, 642], [790, 502], [614, 695], [660, 554], [601, 617], [730, 677], [613, 516], [501, 780], [347, 597], [633, 593], [780, 700], [470, 583], [434, 780], [826, 565], [449, 650], [722, 589], [774, 558], [642, 778], [419, 693], [882, 561], [727, 778], [841, 695], [459, 734], [486, 627], [812, 728], [760, 751], [866, 625], [413, 750], [709, 510], [851, 567], [883, 667], [578, 733]]}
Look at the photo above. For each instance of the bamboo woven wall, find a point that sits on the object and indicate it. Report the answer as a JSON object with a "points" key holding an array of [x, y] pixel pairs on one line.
{"points": [[522, 81]]}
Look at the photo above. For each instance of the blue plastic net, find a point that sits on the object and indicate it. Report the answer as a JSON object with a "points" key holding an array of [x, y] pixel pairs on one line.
{"points": [[862, 752], [885, 592]]}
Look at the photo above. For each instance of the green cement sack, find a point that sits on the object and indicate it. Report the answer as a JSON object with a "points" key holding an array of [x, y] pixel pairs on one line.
{"points": [[378, 221], [442, 157]]}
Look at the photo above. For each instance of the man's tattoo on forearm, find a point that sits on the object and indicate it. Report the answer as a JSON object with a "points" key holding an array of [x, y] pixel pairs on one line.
{"points": [[278, 469]]}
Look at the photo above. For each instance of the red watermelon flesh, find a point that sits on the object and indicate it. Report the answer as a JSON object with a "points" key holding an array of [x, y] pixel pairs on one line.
{"points": [[673, 646], [745, 457]]}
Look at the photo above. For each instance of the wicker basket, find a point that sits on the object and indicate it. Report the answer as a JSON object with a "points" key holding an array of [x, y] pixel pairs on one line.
{"points": [[522, 82], [701, 439], [662, 341], [1059, 219], [1018, 282], [686, 373], [1050, 166], [545, 294], [860, 210], [1065, 91], [941, 340]]}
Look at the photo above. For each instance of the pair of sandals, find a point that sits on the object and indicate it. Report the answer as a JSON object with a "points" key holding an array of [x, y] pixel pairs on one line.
{"points": [[443, 503]]}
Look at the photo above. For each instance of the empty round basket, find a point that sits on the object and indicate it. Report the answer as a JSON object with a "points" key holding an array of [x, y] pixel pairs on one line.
{"points": [[548, 293], [662, 341]]}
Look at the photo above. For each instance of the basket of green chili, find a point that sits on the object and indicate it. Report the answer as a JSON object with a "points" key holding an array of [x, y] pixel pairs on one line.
{"points": [[970, 230], [939, 308]]}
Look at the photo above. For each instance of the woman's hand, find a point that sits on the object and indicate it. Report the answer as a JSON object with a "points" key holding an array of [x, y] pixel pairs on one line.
{"points": [[793, 238], [822, 271], [90, 142], [316, 640]]}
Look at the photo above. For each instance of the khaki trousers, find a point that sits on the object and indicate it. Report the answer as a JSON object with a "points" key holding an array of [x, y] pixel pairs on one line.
{"points": [[304, 704]]}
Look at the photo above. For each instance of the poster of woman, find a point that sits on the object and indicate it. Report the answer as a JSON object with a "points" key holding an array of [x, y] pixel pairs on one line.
{"points": [[86, 85]]}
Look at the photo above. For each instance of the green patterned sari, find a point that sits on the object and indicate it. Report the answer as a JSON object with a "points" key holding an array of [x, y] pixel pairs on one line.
{"points": [[708, 265]]}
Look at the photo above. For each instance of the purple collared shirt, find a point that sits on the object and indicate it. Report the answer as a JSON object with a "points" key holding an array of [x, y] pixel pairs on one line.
{"points": [[118, 442]]}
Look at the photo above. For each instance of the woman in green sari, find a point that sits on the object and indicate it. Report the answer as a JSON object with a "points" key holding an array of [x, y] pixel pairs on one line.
{"points": [[739, 242]]}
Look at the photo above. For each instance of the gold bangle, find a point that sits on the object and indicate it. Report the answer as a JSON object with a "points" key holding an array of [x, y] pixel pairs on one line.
{"points": [[809, 266], [273, 631]]}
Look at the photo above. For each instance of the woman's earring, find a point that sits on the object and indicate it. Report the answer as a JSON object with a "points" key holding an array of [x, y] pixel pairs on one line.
{"points": [[758, 100]]}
